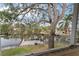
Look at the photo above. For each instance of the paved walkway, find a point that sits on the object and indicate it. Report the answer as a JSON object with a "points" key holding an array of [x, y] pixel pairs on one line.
{"points": [[70, 52]]}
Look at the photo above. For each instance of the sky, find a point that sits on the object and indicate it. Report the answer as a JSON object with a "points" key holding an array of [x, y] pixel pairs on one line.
{"points": [[2, 7]]}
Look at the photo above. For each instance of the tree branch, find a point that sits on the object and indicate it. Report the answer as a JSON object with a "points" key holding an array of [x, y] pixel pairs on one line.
{"points": [[63, 11], [43, 21]]}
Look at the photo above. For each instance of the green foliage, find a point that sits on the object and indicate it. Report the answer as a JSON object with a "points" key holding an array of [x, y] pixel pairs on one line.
{"points": [[65, 23], [5, 28], [6, 16]]}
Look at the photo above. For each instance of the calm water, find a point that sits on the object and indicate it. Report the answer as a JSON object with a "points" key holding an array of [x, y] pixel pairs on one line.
{"points": [[12, 42], [9, 42]]}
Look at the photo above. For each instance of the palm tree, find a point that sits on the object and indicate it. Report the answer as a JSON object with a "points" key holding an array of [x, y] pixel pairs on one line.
{"points": [[64, 24]]}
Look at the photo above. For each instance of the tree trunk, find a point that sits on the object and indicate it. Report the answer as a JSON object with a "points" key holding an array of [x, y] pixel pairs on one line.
{"points": [[51, 37], [51, 41], [74, 25], [66, 30], [20, 41], [21, 38]]}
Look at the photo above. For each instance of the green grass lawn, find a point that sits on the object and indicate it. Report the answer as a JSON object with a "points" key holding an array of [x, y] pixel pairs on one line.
{"points": [[28, 49], [15, 51], [22, 50]]}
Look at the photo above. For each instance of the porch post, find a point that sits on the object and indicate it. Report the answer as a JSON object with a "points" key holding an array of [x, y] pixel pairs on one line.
{"points": [[74, 25]]}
